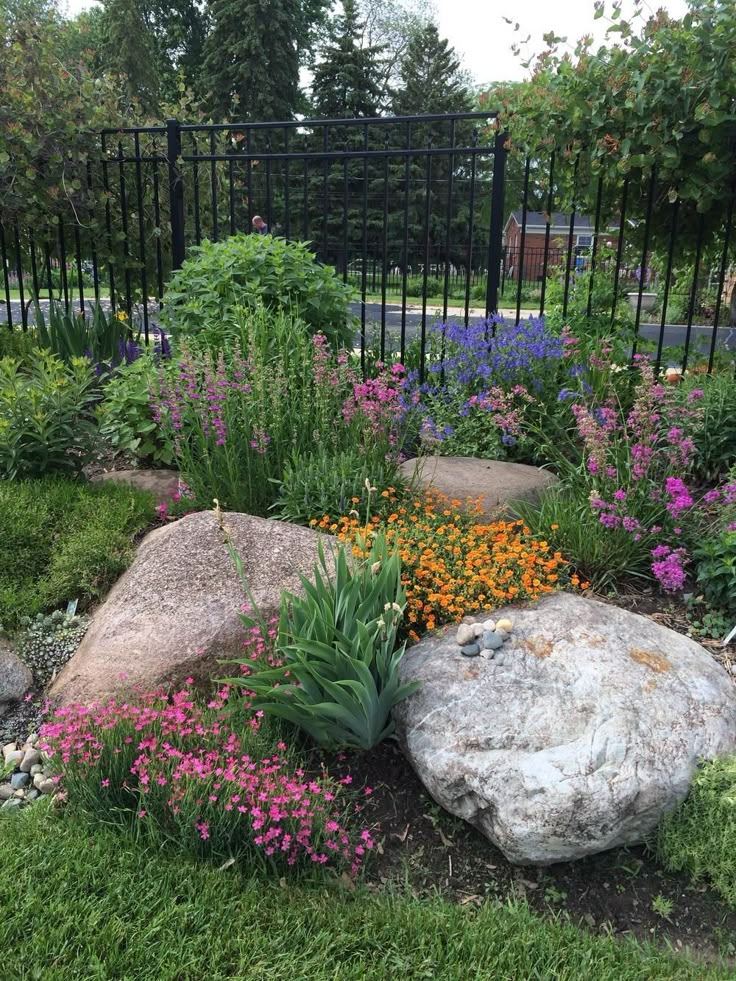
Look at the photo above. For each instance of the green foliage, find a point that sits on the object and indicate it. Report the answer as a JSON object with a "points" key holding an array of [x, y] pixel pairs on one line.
{"points": [[699, 837], [324, 482], [715, 434], [21, 345], [46, 643], [46, 422], [415, 286], [103, 338], [431, 77], [63, 540], [339, 677], [715, 559], [251, 59], [345, 83], [126, 417], [220, 280]]}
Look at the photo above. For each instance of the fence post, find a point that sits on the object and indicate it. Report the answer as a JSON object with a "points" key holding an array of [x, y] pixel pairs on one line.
{"points": [[495, 239], [176, 192]]}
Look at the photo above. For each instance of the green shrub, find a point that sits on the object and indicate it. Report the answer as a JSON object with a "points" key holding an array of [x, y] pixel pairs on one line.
{"points": [[207, 296], [126, 414], [335, 673], [103, 337], [46, 419], [699, 837], [323, 482], [715, 433], [715, 560], [415, 286], [62, 540], [19, 344]]}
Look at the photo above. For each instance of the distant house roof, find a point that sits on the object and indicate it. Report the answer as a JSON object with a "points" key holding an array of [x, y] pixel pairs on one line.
{"points": [[560, 222]]}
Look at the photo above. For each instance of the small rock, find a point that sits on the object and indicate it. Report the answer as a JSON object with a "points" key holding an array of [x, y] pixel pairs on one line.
{"points": [[47, 786], [32, 739], [38, 778], [6, 791], [478, 629], [13, 802], [500, 659], [20, 793], [36, 768], [15, 757], [492, 641], [504, 624], [31, 758], [33, 794], [470, 650], [9, 748], [465, 634], [20, 780], [489, 625]]}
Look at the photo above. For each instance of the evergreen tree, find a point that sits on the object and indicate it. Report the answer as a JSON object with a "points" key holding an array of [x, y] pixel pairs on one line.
{"points": [[251, 59], [129, 50], [346, 79], [431, 77]]}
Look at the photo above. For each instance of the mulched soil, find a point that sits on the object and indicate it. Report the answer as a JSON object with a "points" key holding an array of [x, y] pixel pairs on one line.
{"points": [[420, 845]]}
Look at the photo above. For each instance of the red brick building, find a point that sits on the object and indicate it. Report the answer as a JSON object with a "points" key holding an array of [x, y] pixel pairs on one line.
{"points": [[534, 242]]}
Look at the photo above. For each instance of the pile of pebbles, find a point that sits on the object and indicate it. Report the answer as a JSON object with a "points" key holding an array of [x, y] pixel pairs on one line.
{"points": [[484, 639], [29, 779]]}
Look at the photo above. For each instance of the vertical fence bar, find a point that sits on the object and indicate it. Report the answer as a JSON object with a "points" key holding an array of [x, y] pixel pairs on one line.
{"points": [[213, 188], [249, 178], [694, 290], [594, 251], [47, 262], [108, 225], [721, 279], [19, 270], [384, 264], [305, 200], [570, 239], [157, 226], [6, 277], [405, 262], [176, 192], [231, 194], [619, 248], [195, 182], [644, 254], [34, 266], [364, 255], [80, 277], [427, 245], [448, 225], [126, 246], [93, 247], [667, 281], [547, 233], [141, 234], [269, 187], [287, 210], [471, 227], [62, 264], [522, 245], [345, 217], [325, 173], [495, 238]]}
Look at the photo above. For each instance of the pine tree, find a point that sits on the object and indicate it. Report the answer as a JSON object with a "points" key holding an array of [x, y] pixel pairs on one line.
{"points": [[251, 59], [346, 79], [129, 50], [431, 77]]}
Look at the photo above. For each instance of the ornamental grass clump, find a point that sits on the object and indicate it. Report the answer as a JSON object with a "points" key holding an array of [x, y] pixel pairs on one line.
{"points": [[213, 779], [452, 564]]}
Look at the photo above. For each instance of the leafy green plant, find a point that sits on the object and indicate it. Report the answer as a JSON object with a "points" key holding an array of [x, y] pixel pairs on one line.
{"points": [[126, 415], [324, 482], [207, 296], [46, 419], [46, 643], [338, 677], [63, 539], [22, 345], [104, 338], [415, 286], [715, 575], [663, 906], [699, 837], [715, 432]]}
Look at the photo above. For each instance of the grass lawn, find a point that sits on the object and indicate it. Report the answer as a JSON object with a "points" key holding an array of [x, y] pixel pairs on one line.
{"points": [[88, 902]]}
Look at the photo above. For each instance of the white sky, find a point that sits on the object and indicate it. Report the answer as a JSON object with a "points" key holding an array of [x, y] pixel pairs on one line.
{"points": [[477, 30]]}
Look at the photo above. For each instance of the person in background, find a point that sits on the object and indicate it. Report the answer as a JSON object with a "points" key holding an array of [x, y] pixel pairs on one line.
{"points": [[259, 225]]}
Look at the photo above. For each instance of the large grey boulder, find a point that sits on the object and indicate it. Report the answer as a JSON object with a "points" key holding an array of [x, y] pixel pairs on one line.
{"points": [[175, 611], [585, 734], [496, 481], [15, 677]]}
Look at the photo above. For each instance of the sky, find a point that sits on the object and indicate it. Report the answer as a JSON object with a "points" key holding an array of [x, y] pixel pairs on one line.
{"points": [[479, 34]]}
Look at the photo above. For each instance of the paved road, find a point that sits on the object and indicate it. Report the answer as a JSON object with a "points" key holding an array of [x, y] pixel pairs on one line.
{"points": [[675, 334]]}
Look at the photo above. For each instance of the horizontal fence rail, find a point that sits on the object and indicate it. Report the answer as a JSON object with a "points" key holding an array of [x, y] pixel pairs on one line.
{"points": [[429, 218]]}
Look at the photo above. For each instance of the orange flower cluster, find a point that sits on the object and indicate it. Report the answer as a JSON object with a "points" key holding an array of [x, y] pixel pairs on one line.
{"points": [[452, 565]]}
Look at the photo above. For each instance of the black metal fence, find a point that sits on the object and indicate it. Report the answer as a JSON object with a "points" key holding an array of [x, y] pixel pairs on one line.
{"points": [[426, 216]]}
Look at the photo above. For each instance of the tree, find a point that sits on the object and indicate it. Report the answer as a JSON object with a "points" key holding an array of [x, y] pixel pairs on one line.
{"points": [[251, 59], [345, 83], [391, 25], [431, 78], [130, 50]]}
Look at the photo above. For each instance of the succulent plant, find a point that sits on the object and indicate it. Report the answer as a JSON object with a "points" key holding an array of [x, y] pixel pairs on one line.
{"points": [[47, 642]]}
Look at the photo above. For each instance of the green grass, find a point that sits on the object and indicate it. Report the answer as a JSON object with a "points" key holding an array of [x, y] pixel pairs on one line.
{"points": [[80, 901], [64, 539]]}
